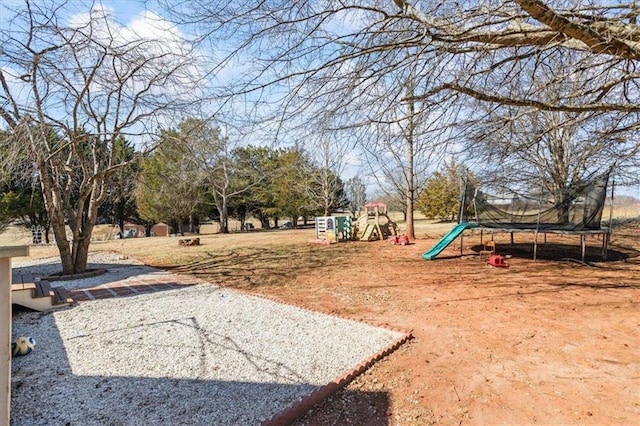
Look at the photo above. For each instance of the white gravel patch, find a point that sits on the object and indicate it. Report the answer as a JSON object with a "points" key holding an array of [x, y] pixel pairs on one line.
{"points": [[199, 355]]}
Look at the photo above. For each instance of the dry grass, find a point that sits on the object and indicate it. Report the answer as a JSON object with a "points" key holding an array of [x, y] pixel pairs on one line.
{"points": [[268, 254], [238, 260], [623, 212], [241, 260]]}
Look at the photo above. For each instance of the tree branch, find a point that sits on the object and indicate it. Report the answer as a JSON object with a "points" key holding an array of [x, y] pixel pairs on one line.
{"points": [[483, 96], [600, 43]]}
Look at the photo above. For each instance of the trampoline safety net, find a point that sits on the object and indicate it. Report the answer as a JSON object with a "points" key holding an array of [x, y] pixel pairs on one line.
{"points": [[577, 210]]}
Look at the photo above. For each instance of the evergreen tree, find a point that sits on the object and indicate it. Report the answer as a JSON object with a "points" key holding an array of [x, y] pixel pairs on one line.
{"points": [[168, 187], [120, 204], [440, 198]]}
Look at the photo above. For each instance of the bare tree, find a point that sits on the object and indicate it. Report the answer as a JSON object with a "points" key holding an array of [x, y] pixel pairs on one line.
{"points": [[410, 140], [467, 47], [552, 151], [12, 158], [401, 158], [222, 171], [324, 186], [349, 63], [496, 42], [73, 82], [356, 194]]}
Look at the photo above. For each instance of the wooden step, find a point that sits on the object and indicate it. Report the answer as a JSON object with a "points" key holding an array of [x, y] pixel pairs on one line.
{"points": [[22, 279], [43, 289], [61, 296], [34, 293], [20, 286]]}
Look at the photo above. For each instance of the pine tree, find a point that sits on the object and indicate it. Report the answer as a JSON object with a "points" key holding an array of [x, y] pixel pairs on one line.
{"points": [[440, 198]]}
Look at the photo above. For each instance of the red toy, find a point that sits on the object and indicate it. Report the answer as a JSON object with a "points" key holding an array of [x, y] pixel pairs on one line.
{"points": [[497, 261], [402, 240]]}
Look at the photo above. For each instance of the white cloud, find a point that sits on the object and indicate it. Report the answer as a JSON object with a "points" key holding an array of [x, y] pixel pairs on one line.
{"points": [[172, 70]]}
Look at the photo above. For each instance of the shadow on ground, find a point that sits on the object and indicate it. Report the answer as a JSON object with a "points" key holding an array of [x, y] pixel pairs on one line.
{"points": [[252, 267], [556, 251], [355, 408], [114, 272]]}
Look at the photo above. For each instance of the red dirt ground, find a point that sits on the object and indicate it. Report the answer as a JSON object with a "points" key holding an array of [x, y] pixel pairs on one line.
{"points": [[553, 341]]}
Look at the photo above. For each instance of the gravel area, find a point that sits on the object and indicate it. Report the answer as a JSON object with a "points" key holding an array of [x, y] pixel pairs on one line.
{"points": [[118, 268], [200, 355]]}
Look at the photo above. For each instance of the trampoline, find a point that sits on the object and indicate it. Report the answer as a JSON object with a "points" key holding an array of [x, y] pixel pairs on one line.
{"points": [[576, 210]]}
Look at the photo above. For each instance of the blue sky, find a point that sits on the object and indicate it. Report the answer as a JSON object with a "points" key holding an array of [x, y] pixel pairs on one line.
{"points": [[128, 13], [125, 10]]}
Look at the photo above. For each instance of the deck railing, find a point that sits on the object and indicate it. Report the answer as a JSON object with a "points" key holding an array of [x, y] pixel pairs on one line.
{"points": [[6, 254]]}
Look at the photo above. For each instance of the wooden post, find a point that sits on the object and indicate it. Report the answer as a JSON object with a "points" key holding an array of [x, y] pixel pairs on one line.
{"points": [[613, 185], [583, 245], [6, 253]]}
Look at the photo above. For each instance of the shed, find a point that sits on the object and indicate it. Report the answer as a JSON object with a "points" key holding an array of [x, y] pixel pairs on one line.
{"points": [[160, 229]]}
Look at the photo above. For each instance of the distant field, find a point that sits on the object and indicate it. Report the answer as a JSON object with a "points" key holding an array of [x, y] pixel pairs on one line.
{"points": [[424, 229], [623, 212]]}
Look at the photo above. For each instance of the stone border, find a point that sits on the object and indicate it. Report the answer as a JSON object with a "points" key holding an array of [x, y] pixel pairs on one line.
{"points": [[88, 274], [301, 407]]}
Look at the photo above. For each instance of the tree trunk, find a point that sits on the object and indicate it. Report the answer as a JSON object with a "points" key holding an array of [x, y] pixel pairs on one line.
{"points": [[121, 224], [86, 218], [410, 229], [81, 250], [224, 219], [563, 213], [64, 248], [242, 216], [409, 171], [264, 221], [53, 205], [563, 203], [120, 216], [221, 202]]}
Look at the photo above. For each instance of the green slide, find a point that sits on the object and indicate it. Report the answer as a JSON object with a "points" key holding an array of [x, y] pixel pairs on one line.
{"points": [[446, 240]]}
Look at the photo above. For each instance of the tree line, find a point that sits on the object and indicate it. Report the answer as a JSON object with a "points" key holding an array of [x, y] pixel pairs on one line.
{"points": [[192, 175], [196, 172]]}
